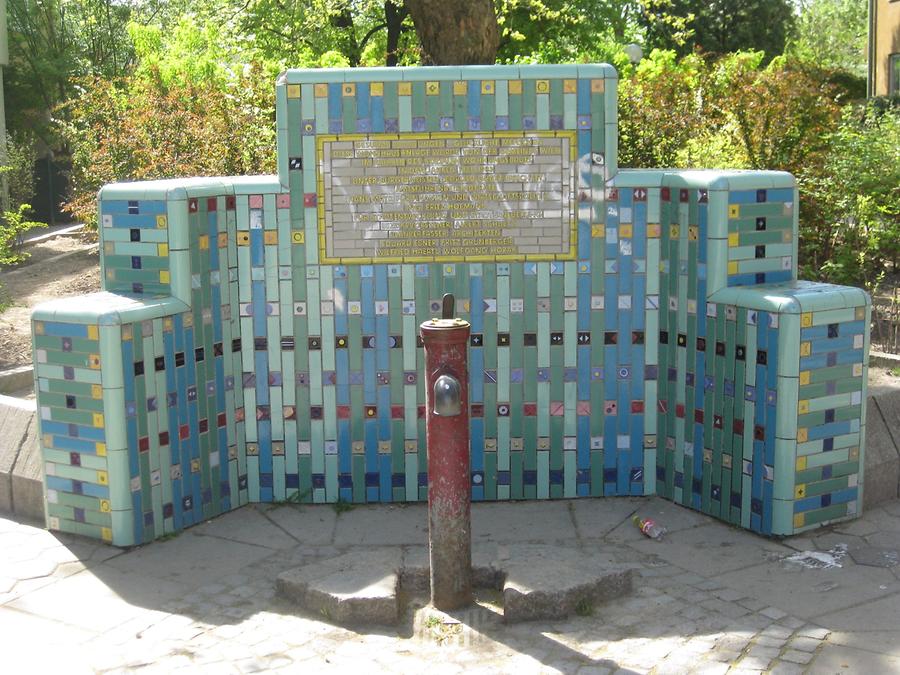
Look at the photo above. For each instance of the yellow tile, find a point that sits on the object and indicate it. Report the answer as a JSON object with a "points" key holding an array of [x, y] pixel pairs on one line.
{"points": [[127, 332], [93, 332], [270, 237], [162, 250], [806, 320], [162, 222], [674, 232], [515, 86], [804, 377], [801, 463], [97, 419], [100, 449], [857, 369], [297, 237], [102, 478], [164, 276], [38, 327], [803, 407], [734, 210], [404, 88], [94, 361], [106, 534], [487, 87], [293, 91], [460, 88], [432, 88], [188, 320], [167, 323], [693, 232], [805, 349], [854, 452], [570, 87], [653, 229], [734, 239], [802, 435], [787, 236], [597, 231], [860, 313], [203, 242], [542, 86], [348, 89], [800, 492], [47, 440], [111, 275], [732, 267], [798, 519], [376, 89], [321, 91], [109, 248], [243, 238], [598, 86], [625, 231], [104, 506], [223, 239]]}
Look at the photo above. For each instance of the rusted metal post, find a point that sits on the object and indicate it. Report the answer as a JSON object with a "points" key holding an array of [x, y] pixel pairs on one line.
{"points": [[447, 437]]}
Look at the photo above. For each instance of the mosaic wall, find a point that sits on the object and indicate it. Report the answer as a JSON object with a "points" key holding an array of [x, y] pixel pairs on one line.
{"points": [[257, 337]]}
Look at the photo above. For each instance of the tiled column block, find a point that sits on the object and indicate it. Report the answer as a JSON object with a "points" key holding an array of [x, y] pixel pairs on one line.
{"points": [[102, 479], [777, 422]]}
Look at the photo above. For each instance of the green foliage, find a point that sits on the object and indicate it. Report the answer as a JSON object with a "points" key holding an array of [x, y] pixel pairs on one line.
{"points": [[12, 230], [851, 228], [21, 155], [562, 31], [718, 26], [126, 130], [833, 34]]}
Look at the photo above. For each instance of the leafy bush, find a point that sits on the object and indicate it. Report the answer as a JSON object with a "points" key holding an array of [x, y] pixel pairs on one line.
{"points": [[12, 229], [140, 128], [850, 228]]}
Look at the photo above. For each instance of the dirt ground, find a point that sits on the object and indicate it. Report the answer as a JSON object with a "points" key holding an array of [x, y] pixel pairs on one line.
{"points": [[69, 265], [59, 267]]}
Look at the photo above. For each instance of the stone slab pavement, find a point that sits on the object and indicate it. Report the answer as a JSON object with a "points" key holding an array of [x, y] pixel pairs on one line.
{"points": [[707, 599]]}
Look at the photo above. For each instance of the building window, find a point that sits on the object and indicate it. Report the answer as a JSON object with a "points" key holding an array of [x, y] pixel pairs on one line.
{"points": [[894, 75]]}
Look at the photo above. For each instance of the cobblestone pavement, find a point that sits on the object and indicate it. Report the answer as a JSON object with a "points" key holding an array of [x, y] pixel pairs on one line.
{"points": [[708, 599]]}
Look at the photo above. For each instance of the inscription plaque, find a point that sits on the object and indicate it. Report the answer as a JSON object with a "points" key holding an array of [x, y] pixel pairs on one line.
{"points": [[477, 196]]}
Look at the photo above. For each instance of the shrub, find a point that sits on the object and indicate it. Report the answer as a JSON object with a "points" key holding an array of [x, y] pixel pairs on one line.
{"points": [[142, 127]]}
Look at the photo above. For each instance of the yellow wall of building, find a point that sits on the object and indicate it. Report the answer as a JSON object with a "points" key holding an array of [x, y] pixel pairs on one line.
{"points": [[886, 42]]}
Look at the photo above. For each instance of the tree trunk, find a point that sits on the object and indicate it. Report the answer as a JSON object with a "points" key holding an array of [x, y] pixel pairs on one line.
{"points": [[455, 32], [393, 16]]}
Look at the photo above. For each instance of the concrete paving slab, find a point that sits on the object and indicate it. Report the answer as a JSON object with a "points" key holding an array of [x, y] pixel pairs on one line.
{"points": [[380, 525], [188, 559], [880, 641], [541, 522], [309, 524], [882, 461], [810, 593], [99, 602], [839, 659], [889, 404], [355, 588], [708, 550], [547, 582], [595, 518], [17, 418], [33, 644], [249, 525]]}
